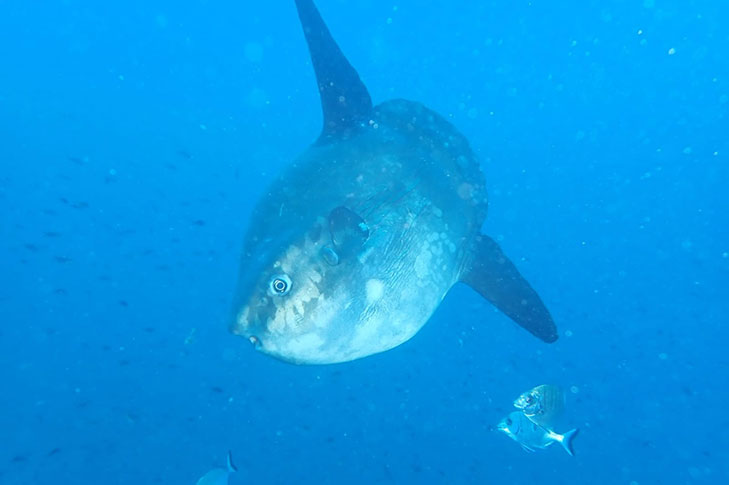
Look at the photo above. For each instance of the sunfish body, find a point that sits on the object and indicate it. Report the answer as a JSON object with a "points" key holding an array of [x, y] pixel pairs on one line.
{"points": [[218, 476], [531, 436], [354, 246]]}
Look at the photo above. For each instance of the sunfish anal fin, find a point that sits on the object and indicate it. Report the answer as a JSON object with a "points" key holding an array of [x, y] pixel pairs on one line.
{"points": [[496, 278], [345, 101]]}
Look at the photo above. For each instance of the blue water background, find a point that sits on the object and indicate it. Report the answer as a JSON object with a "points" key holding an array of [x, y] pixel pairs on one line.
{"points": [[135, 138]]}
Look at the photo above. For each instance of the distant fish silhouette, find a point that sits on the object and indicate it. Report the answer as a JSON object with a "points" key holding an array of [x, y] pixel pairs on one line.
{"points": [[78, 160], [184, 154]]}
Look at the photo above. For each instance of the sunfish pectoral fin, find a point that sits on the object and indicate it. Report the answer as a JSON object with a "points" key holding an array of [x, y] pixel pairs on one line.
{"points": [[345, 101], [348, 231], [496, 278]]}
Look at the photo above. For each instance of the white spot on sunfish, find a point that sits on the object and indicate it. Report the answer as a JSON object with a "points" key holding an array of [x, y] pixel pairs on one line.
{"points": [[375, 289], [307, 344], [422, 262], [363, 257], [366, 333]]}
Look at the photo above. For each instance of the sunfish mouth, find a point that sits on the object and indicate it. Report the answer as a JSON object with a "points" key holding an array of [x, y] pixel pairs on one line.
{"points": [[255, 341]]}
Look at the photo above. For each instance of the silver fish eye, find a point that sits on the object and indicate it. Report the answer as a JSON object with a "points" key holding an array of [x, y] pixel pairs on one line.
{"points": [[280, 285]]}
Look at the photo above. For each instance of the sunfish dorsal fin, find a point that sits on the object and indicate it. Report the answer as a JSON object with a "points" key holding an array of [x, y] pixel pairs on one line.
{"points": [[496, 278], [345, 101]]}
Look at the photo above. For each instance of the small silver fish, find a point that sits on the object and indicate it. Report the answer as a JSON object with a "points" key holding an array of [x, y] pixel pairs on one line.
{"points": [[219, 476], [543, 405], [531, 436]]}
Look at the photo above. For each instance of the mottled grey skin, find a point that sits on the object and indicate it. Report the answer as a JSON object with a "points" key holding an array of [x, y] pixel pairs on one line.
{"points": [[416, 183], [355, 245]]}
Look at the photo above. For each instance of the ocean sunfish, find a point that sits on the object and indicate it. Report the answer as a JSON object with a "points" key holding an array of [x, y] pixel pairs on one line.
{"points": [[352, 248]]}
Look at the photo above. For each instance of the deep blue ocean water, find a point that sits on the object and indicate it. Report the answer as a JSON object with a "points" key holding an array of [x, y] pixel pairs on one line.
{"points": [[136, 137]]}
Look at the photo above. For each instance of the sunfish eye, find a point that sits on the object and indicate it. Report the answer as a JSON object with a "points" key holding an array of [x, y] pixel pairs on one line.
{"points": [[280, 285], [508, 421]]}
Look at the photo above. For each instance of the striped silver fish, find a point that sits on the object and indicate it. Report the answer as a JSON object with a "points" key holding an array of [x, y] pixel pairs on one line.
{"points": [[532, 436], [543, 405]]}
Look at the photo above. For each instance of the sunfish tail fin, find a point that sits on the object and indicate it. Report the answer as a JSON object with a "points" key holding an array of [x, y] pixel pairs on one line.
{"points": [[496, 278], [229, 463], [345, 101], [567, 439]]}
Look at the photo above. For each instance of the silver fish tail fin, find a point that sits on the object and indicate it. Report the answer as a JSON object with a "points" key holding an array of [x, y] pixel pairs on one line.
{"points": [[496, 278], [567, 439], [229, 463], [345, 101]]}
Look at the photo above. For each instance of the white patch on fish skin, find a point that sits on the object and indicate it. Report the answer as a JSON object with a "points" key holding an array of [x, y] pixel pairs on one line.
{"points": [[315, 276], [369, 336], [291, 257], [299, 306], [290, 316], [437, 249], [374, 289], [326, 310], [422, 263], [365, 332], [243, 317], [363, 257], [277, 324], [408, 294], [307, 344]]}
